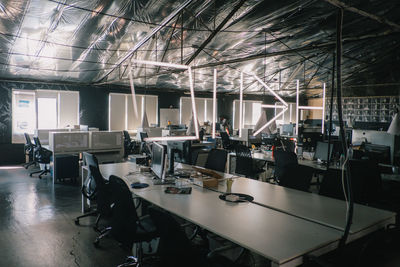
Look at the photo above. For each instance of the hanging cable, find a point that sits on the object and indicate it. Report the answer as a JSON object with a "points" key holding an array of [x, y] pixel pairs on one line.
{"points": [[349, 192], [331, 108]]}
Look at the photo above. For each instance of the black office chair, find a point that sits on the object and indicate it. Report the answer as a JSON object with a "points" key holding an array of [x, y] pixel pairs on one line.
{"points": [[29, 149], [95, 188], [126, 227], [245, 164], [216, 160], [129, 145], [143, 145], [365, 180], [175, 249], [289, 173], [331, 185], [226, 142], [41, 155], [201, 134]]}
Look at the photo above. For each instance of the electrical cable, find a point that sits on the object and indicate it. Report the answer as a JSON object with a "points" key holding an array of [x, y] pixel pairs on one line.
{"points": [[331, 110], [348, 192]]}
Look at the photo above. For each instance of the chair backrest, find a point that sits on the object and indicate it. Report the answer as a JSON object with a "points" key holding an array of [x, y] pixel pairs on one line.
{"points": [[174, 248], [297, 177], [216, 160], [89, 187], [284, 160], [366, 180], [124, 216], [41, 154], [28, 141], [127, 137], [28, 147], [224, 137], [103, 192], [331, 185], [244, 161], [143, 135], [201, 134], [37, 142]]}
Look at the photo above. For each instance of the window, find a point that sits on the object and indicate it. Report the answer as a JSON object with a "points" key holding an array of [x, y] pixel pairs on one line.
{"points": [[23, 114], [204, 108], [42, 109], [251, 113], [47, 113], [122, 115]]}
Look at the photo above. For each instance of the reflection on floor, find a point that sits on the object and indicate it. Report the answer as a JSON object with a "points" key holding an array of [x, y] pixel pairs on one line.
{"points": [[37, 225]]}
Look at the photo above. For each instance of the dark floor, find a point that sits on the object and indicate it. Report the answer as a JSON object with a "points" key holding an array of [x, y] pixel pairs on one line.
{"points": [[37, 225], [37, 229]]}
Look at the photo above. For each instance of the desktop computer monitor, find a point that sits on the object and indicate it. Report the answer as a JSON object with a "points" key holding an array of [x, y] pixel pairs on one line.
{"points": [[287, 129], [181, 151], [321, 151], [158, 159]]}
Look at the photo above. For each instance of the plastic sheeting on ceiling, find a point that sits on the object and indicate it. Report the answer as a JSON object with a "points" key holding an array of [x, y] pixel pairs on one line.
{"points": [[81, 41]]}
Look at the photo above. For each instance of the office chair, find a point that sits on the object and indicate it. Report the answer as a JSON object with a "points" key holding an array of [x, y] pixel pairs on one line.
{"points": [[365, 179], [126, 227], [331, 185], [216, 160], [245, 164], [289, 173], [226, 142], [201, 134], [29, 149], [95, 188], [129, 145], [41, 155], [175, 249], [143, 145]]}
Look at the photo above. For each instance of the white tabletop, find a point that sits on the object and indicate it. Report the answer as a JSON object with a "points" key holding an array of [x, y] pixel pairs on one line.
{"points": [[327, 211], [274, 235]]}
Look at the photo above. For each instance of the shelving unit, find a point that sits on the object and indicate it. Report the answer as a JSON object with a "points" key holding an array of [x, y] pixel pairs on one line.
{"points": [[365, 109]]}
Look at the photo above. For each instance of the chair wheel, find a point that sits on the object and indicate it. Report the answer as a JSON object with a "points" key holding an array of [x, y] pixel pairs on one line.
{"points": [[96, 243], [76, 221], [30, 174]]}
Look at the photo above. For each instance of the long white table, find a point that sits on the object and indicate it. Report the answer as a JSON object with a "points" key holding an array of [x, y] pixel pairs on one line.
{"points": [[282, 225], [279, 237], [320, 209]]}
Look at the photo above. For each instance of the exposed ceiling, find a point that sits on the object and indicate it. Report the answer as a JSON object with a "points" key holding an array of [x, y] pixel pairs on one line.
{"points": [[91, 42]]}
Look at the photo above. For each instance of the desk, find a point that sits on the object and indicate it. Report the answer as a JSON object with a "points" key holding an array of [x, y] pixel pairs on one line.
{"points": [[279, 237], [283, 226], [313, 207]]}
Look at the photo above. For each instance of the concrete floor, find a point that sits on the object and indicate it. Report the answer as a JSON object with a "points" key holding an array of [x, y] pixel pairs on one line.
{"points": [[37, 229], [37, 225]]}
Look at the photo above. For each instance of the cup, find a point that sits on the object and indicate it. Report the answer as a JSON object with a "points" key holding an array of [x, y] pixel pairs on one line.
{"points": [[229, 183]]}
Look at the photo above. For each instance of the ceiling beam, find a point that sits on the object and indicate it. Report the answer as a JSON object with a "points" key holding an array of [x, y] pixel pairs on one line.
{"points": [[364, 14], [146, 38], [214, 33]]}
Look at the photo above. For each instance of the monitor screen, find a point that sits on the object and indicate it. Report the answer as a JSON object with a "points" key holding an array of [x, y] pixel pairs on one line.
{"points": [[182, 151], [321, 151], [157, 160], [287, 129]]}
